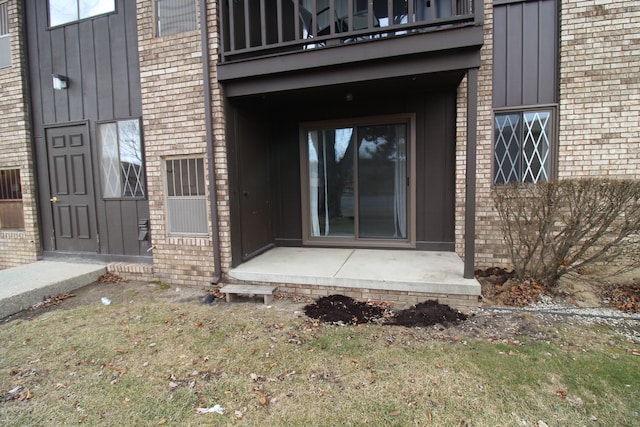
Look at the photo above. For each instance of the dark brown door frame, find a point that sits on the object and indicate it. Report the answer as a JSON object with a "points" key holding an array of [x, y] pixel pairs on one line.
{"points": [[410, 241]]}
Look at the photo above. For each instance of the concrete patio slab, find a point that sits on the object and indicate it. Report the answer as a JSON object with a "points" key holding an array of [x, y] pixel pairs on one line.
{"points": [[23, 286], [389, 270], [305, 265]]}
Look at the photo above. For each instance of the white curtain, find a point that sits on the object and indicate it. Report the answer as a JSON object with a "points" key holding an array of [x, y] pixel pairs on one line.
{"points": [[400, 190], [313, 182]]}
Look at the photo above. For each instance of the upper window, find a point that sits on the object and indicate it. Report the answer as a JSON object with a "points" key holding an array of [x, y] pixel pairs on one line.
{"points": [[522, 146], [186, 196], [5, 46], [11, 215], [175, 16], [65, 11], [121, 163]]}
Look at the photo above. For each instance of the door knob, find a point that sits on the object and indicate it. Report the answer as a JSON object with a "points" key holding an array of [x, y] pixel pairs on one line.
{"points": [[54, 199]]}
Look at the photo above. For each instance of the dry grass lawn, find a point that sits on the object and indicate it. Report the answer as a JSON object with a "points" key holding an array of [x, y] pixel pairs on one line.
{"points": [[151, 360]]}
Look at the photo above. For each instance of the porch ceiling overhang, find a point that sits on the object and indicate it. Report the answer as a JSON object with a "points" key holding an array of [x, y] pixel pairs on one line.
{"points": [[416, 54]]}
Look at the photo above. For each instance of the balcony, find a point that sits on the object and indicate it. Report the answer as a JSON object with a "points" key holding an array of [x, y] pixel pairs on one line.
{"points": [[264, 27], [268, 39]]}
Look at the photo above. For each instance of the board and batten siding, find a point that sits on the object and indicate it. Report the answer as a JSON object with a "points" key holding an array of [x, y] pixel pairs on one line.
{"points": [[525, 50], [99, 56]]}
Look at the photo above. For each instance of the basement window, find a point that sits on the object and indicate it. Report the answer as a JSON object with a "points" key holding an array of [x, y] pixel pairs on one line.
{"points": [[11, 211], [186, 196]]}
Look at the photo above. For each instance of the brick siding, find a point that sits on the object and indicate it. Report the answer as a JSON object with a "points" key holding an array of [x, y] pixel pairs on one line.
{"points": [[174, 125], [599, 110], [400, 299], [18, 247]]}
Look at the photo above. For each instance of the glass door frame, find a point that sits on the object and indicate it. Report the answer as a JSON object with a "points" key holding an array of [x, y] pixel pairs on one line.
{"points": [[338, 241]]}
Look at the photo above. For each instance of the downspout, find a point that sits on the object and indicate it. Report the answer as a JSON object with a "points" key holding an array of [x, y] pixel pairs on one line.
{"points": [[208, 119]]}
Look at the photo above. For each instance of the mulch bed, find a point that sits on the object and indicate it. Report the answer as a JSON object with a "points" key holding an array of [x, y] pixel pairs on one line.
{"points": [[341, 309]]}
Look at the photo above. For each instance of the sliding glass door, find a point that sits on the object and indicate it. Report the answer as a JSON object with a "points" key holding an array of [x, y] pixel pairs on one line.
{"points": [[357, 184]]}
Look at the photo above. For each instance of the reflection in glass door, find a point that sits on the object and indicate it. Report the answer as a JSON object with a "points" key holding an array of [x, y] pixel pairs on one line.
{"points": [[357, 182], [331, 189], [382, 181]]}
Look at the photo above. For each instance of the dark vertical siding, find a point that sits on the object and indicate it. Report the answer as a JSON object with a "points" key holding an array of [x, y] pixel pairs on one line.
{"points": [[105, 85], [59, 66], [435, 164], [499, 56], [88, 66], [286, 189], [530, 53], [131, 28], [119, 69], [513, 78], [100, 58], [435, 156], [74, 68], [525, 53], [548, 45]]}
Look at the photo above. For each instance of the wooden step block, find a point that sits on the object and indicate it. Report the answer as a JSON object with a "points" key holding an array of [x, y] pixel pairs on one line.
{"points": [[233, 290]]}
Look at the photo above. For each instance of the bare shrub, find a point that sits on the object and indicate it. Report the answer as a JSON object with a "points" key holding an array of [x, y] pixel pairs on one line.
{"points": [[560, 227]]}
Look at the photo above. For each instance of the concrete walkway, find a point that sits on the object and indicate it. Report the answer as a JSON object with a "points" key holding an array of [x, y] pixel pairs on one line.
{"points": [[21, 287]]}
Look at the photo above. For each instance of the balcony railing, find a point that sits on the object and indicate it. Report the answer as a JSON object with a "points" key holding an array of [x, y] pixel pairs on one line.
{"points": [[253, 28]]}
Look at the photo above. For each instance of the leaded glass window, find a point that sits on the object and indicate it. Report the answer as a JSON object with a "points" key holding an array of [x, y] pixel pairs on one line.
{"points": [[522, 146], [121, 161]]}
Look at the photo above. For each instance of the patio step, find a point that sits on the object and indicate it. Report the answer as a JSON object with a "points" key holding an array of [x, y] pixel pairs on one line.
{"points": [[233, 290]]}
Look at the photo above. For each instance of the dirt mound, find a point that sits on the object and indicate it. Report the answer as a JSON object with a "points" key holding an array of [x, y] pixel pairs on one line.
{"points": [[426, 314], [343, 309]]}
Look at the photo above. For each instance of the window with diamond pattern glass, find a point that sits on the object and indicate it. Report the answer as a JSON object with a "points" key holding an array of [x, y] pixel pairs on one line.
{"points": [[521, 146], [121, 164]]}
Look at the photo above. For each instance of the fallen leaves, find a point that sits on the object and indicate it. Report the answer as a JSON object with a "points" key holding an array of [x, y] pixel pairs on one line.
{"points": [[111, 278], [527, 293], [624, 297], [49, 301]]}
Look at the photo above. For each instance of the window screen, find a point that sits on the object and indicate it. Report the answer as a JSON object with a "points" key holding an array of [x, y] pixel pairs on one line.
{"points": [[5, 40], [11, 214], [186, 196], [175, 16]]}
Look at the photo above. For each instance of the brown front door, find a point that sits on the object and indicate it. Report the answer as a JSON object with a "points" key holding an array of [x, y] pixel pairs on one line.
{"points": [[72, 193]]}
